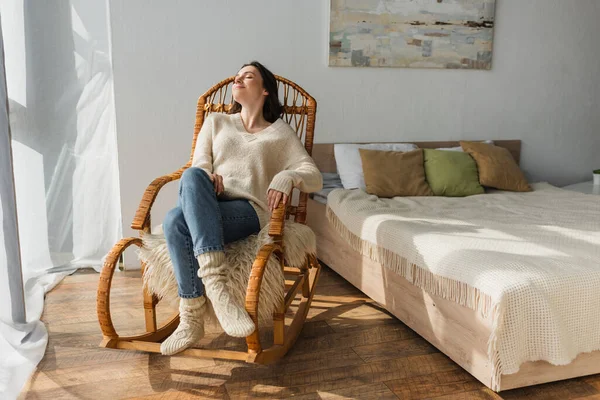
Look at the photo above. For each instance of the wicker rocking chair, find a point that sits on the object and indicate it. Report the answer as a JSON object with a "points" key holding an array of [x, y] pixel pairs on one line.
{"points": [[300, 112]]}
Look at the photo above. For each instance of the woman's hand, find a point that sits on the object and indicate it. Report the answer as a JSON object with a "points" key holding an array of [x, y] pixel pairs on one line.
{"points": [[217, 181], [274, 197]]}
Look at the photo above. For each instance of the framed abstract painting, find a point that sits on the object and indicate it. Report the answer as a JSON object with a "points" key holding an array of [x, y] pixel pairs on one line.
{"points": [[452, 34]]}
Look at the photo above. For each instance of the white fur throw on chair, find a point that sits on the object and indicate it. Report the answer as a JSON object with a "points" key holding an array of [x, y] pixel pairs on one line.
{"points": [[298, 239]]}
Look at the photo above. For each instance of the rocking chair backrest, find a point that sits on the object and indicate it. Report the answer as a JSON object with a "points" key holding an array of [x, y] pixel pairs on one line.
{"points": [[299, 110]]}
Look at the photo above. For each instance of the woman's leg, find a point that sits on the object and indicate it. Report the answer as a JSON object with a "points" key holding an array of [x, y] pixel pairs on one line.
{"points": [[185, 265], [206, 218], [191, 303], [200, 207], [239, 220], [213, 224], [190, 228]]}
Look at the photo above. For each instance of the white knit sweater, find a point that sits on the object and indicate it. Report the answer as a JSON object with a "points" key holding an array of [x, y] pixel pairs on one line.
{"points": [[253, 163]]}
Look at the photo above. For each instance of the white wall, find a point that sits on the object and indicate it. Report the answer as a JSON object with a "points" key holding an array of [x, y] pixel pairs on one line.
{"points": [[543, 88]]}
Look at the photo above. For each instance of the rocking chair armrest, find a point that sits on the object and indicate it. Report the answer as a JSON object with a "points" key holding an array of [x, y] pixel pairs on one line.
{"points": [[278, 216], [277, 220], [143, 211]]}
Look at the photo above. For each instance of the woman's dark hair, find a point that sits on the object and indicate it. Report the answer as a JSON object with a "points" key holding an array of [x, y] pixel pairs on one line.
{"points": [[272, 108]]}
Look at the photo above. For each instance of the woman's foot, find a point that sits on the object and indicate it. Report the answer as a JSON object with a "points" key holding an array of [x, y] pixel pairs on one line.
{"points": [[190, 329], [232, 316]]}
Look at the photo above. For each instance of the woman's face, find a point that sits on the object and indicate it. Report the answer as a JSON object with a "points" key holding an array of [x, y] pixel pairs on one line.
{"points": [[248, 86]]}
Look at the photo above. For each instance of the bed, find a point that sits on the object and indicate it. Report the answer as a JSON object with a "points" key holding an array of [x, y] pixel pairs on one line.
{"points": [[459, 327]]}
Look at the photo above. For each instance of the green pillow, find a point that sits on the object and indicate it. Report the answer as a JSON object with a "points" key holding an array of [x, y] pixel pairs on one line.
{"points": [[451, 173]]}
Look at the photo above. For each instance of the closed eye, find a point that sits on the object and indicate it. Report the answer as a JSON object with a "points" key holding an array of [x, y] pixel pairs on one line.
{"points": [[247, 75]]}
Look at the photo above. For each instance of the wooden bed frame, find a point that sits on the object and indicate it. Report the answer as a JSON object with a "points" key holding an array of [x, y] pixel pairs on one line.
{"points": [[459, 332]]}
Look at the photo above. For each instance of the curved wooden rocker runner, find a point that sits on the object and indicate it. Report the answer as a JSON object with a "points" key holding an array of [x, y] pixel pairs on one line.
{"points": [[300, 112]]}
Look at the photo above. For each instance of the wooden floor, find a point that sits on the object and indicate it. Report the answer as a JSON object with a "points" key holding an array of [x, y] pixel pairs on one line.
{"points": [[349, 348]]}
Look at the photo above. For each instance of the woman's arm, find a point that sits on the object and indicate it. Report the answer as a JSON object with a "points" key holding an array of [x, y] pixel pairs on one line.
{"points": [[203, 151], [300, 170], [203, 158]]}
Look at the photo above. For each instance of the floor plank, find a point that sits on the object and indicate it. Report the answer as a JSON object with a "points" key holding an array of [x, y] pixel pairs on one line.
{"points": [[376, 391], [349, 348]]}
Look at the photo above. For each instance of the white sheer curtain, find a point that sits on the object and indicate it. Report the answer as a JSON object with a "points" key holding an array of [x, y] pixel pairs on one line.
{"points": [[20, 342], [62, 120]]}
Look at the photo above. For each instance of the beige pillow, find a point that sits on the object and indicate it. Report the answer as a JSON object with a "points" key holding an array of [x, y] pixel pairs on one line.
{"points": [[497, 167], [393, 173]]}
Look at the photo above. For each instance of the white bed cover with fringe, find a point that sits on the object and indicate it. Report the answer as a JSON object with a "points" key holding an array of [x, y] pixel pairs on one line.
{"points": [[531, 259]]}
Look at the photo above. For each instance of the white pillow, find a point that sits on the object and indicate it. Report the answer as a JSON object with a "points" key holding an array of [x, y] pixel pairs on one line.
{"points": [[349, 165], [458, 148]]}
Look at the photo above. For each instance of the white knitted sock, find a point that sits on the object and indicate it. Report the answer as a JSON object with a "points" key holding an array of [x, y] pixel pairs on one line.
{"points": [[232, 316], [190, 329]]}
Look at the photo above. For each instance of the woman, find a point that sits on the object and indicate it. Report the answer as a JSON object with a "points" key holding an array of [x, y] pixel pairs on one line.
{"points": [[244, 164]]}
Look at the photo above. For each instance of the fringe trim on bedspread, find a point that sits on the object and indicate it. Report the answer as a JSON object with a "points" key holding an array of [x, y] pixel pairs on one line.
{"points": [[440, 286]]}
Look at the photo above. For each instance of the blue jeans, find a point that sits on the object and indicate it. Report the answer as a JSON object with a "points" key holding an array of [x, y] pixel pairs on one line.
{"points": [[202, 223]]}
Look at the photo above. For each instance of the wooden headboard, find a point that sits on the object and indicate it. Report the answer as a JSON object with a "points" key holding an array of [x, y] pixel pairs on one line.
{"points": [[323, 155]]}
